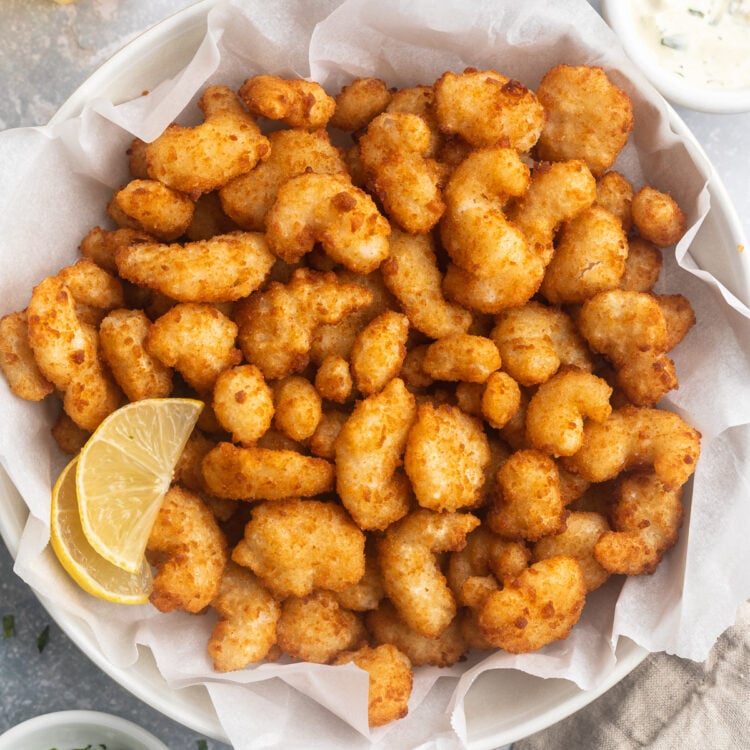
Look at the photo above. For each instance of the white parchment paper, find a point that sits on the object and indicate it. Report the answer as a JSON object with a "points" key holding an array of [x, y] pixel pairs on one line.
{"points": [[54, 187]]}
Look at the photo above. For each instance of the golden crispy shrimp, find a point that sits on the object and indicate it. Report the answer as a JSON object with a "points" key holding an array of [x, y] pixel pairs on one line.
{"points": [[17, 359], [298, 103], [588, 117], [642, 266], [615, 193], [92, 286], [70, 438], [243, 403], [461, 357], [333, 379], [378, 351], [367, 593], [255, 473], [295, 546], [329, 209], [209, 219], [412, 578], [636, 438], [100, 245], [248, 613], [203, 158], [538, 607], [189, 551], [223, 268], [298, 407], [390, 681], [420, 100], [500, 400], [678, 315], [369, 449], [556, 412], [407, 182], [446, 454], [188, 471], [485, 107], [657, 217], [359, 102]]}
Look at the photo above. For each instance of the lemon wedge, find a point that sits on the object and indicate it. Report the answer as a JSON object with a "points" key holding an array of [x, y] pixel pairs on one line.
{"points": [[124, 470], [88, 569]]}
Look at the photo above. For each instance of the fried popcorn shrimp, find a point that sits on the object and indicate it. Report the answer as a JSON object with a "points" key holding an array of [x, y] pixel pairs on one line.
{"points": [[255, 473], [298, 103], [390, 684], [92, 286], [367, 593], [203, 158], [295, 546], [298, 407], [359, 102], [247, 198], [378, 351], [590, 253], [501, 399], [538, 607], [583, 531], [328, 209], [209, 219], [446, 454], [657, 217], [137, 159], [277, 325], [197, 340], [646, 518], [412, 578], [461, 356], [485, 107], [412, 275], [529, 503], [188, 471], [369, 450], [223, 268], [407, 182], [248, 613], [189, 552], [535, 340], [678, 315], [17, 359], [70, 438], [152, 207], [555, 414], [101, 245], [123, 335], [630, 330], [420, 100], [642, 266], [333, 379], [588, 117], [635, 438], [315, 627], [615, 193], [243, 403]]}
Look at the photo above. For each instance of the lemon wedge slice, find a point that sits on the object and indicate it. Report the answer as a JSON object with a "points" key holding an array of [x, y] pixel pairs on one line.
{"points": [[124, 470], [88, 569]]}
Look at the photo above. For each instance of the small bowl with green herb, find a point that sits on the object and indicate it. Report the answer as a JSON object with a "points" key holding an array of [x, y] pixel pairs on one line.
{"points": [[79, 730]]}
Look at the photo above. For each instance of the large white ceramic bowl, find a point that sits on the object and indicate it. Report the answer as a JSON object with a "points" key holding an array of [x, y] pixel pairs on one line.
{"points": [[503, 705]]}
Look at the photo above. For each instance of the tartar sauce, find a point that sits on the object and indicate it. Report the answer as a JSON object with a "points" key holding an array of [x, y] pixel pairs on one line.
{"points": [[704, 41]]}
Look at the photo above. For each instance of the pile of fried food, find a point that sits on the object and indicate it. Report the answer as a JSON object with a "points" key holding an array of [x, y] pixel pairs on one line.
{"points": [[423, 325]]}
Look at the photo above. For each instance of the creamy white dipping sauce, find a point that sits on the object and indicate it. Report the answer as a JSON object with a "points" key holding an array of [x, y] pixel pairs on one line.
{"points": [[707, 42]]}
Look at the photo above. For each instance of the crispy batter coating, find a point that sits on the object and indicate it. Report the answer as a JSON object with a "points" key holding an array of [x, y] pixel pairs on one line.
{"points": [[657, 217], [329, 209], [209, 219], [378, 351], [369, 449], [223, 268], [642, 266], [243, 403], [412, 578], [17, 359], [248, 613], [446, 454], [189, 552], [323, 441], [92, 286], [367, 593], [70, 438], [615, 193], [420, 100], [678, 315], [254, 473], [298, 103], [359, 102], [333, 379], [461, 357], [501, 399], [203, 158], [298, 407], [537, 608], [391, 681], [100, 245], [637, 437], [588, 117], [188, 471], [296, 546]]}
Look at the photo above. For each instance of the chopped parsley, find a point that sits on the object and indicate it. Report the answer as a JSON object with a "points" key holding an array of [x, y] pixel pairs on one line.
{"points": [[42, 640], [696, 12], [9, 626], [202, 745]]}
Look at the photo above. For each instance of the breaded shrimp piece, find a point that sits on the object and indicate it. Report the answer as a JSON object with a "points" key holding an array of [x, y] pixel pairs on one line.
{"points": [[615, 193], [412, 578], [243, 403], [369, 450], [189, 551], [323, 441], [223, 268], [203, 158], [329, 209], [254, 473], [461, 357], [298, 407], [378, 351], [367, 593], [197, 340], [92, 286], [588, 117], [359, 102], [420, 100], [298, 103], [333, 379], [100, 245], [209, 219], [70, 438], [391, 681], [678, 315], [642, 266], [657, 217], [17, 359], [485, 107], [501, 399], [295, 546]]}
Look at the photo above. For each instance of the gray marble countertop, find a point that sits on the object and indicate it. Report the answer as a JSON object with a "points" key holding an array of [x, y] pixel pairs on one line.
{"points": [[46, 51]]}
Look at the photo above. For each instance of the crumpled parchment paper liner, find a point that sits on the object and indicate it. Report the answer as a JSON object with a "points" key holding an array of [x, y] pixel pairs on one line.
{"points": [[54, 187]]}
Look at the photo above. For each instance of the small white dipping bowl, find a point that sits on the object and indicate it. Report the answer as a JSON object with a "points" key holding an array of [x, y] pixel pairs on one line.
{"points": [[65, 730]]}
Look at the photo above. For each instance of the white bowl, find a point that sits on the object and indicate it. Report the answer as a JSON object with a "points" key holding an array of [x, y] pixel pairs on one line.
{"points": [[683, 92], [65, 730]]}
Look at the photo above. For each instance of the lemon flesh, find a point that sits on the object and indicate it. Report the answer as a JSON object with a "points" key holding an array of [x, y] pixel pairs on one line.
{"points": [[124, 470], [87, 568]]}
